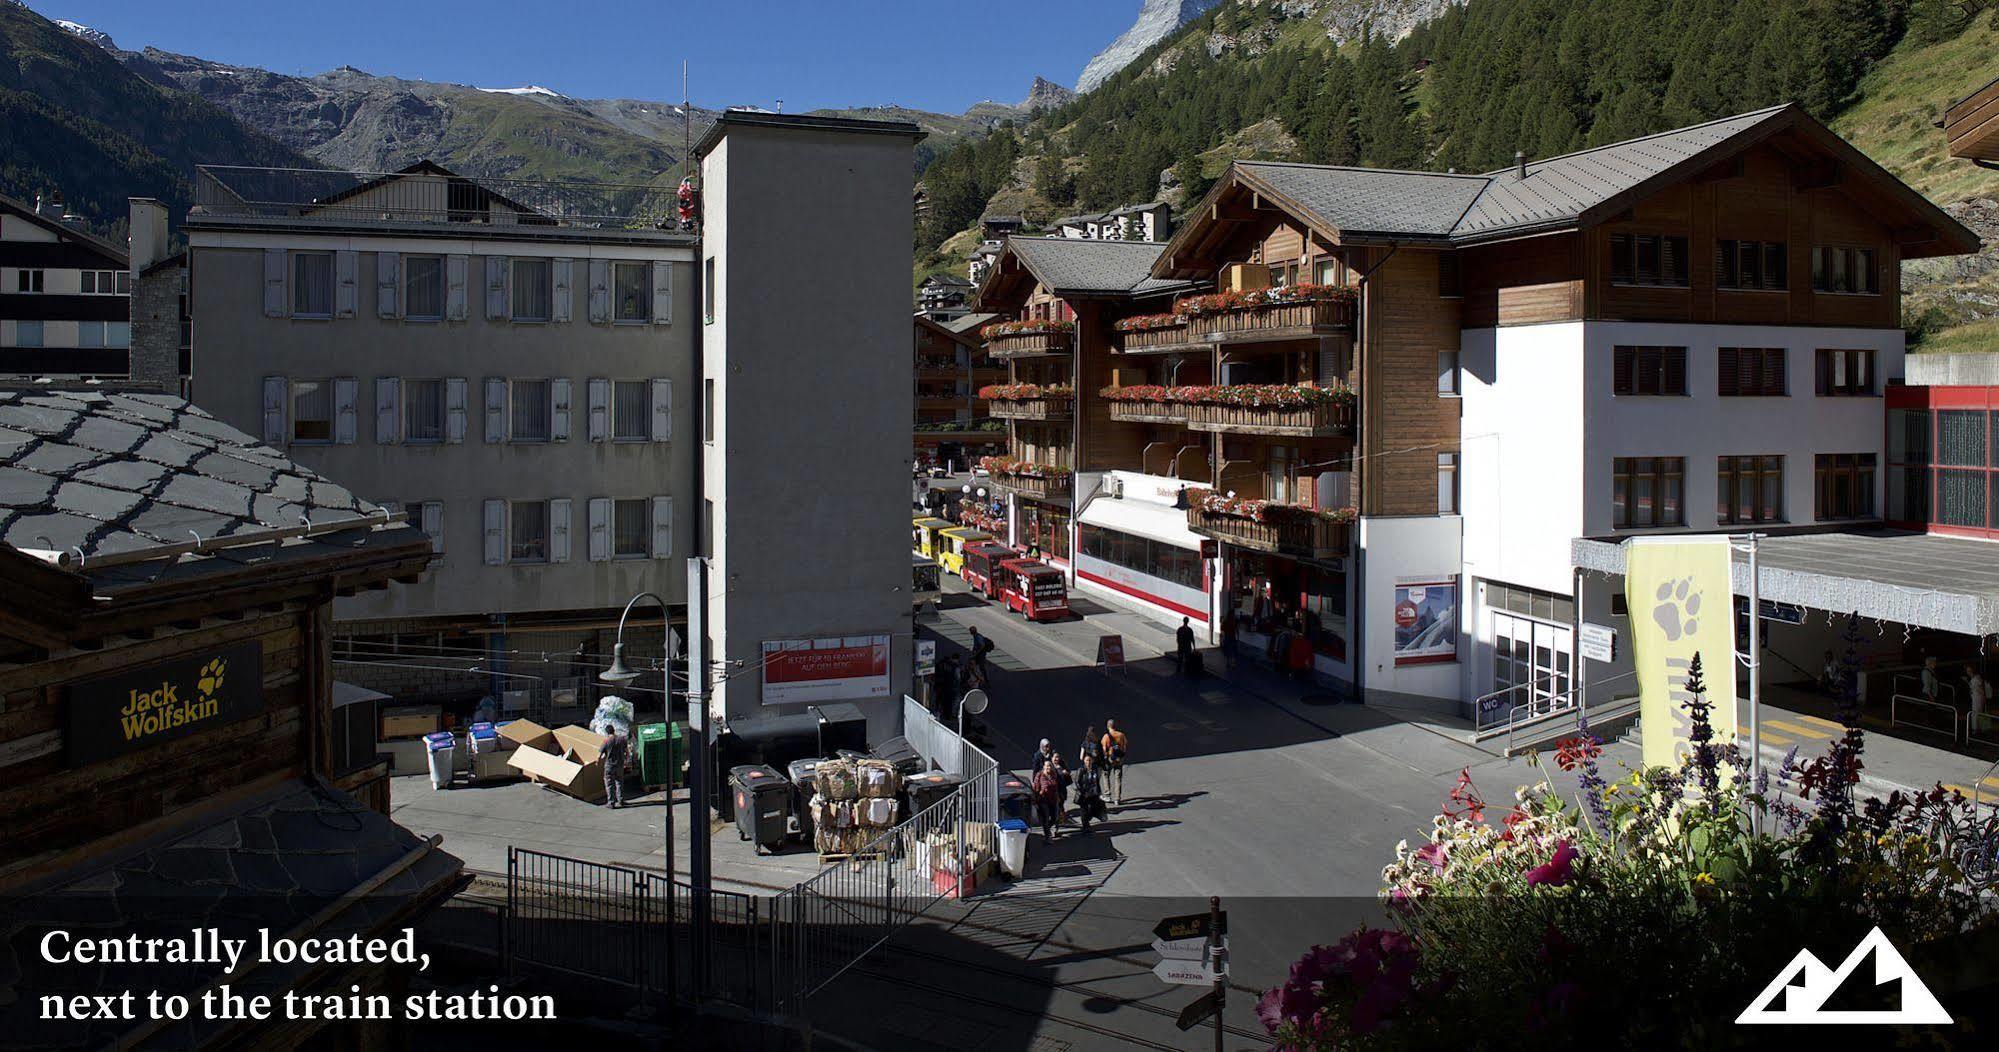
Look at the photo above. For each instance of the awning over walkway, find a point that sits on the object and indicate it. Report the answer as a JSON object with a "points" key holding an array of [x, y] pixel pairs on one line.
{"points": [[1945, 583], [1143, 519]]}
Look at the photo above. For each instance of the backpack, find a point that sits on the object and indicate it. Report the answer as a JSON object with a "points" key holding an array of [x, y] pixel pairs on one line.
{"points": [[1115, 753]]}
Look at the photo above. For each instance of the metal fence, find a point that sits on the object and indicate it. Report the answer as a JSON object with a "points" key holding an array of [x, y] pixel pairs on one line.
{"points": [[830, 922], [428, 194], [630, 927]]}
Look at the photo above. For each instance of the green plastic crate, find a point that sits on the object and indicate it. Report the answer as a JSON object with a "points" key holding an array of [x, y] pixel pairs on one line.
{"points": [[661, 752]]}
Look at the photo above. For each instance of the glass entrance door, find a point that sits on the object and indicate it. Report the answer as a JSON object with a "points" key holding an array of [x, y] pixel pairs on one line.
{"points": [[1534, 657]]}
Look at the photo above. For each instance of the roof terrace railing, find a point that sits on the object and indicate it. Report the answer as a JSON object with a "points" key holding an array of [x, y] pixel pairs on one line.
{"points": [[427, 195]]}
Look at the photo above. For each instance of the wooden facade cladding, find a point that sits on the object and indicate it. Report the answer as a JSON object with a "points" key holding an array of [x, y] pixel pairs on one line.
{"points": [[1971, 125], [1404, 423]]}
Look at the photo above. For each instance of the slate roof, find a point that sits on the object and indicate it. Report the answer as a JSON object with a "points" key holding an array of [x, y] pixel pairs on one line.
{"points": [[108, 472], [1463, 207], [970, 321], [1076, 265], [273, 863]]}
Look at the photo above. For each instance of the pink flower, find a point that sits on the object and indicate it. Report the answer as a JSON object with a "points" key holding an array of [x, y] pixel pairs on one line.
{"points": [[1558, 870], [1433, 854]]}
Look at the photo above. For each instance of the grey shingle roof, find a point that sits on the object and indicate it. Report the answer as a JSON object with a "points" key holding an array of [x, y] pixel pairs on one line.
{"points": [[1452, 207], [105, 472], [1067, 264]]}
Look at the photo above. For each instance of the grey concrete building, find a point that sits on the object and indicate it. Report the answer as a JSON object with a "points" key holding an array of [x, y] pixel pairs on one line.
{"points": [[510, 364], [805, 393]]}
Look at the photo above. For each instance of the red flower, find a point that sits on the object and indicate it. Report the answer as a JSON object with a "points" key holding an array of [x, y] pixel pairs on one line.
{"points": [[1558, 870], [1026, 328], [1571, 753], [1471, 805], [1149, 322]]}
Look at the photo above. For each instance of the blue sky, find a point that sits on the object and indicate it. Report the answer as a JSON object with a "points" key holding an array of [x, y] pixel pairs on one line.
{"points": [[939, 55]]}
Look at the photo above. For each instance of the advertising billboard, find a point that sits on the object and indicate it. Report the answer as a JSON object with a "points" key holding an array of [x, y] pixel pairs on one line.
{"points": [[843, 668]]}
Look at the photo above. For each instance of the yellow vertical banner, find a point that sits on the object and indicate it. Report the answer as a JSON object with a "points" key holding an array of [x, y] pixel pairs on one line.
{"points": [[1681, 603]]}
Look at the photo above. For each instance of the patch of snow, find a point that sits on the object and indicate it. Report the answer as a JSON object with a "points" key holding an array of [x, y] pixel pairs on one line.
{"points": [[530, 89], [84, 32]]}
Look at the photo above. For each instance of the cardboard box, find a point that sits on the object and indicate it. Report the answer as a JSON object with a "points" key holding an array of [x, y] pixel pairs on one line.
{"points": [[575, 769], [412, 721], [528, 734]]}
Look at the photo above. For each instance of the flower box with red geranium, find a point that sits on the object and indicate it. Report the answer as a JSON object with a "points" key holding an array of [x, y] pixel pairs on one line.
{"points": [[1152, 332], [1294, 410], [1273, 313], [1143, 404], [1032, 337], [1029, 401], [1026, 476], [1270, 526]]}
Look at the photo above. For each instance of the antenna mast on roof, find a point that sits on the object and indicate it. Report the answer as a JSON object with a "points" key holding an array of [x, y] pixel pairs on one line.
{"points": [[686, 125]]}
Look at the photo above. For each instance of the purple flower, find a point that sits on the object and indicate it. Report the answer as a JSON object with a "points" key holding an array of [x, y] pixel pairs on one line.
{"points": [[1558, 870]]}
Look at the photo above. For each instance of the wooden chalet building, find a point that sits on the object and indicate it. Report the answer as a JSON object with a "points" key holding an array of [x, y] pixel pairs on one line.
{"points": [[172, 753], [1971, 126], [1409, 391]]}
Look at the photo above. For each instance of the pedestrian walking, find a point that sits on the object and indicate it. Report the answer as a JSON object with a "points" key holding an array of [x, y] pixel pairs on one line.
{"points": [[1116, 748], [1042, 754], [945, 696], [1183, 646], [1979, 692], [1228, 638], [1092, 747], [614, 757], [1047, 789], [981, 646], [1932, 683], [1089, 792]]}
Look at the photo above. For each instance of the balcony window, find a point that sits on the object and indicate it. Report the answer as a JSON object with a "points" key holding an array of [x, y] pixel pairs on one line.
{"points": [[533, 292], [1647, 492], [631, 291], [423, 411], [423, 288], [1749, 490], [532, 412], [312, 411], [312, 284], [527, 531]]}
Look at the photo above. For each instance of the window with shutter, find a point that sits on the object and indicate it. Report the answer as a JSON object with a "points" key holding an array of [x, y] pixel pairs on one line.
{"points": [[454, 409], [662, 410], [532, 414], [346, 415], [274, 282], [558, 530], [662, 526], [631, 411], [600, 291], [424, 417], [496, 409], [662, 293], [276, 396], [312, 412], [312, 284], [346, 293], [560, 282], [527, 531], [388, 416], [598, 391], [533, 296], [1624, 365], [599, 513], [456, 268], [433, 525], [631, 292], [496, 288], [631, 529], [558, 428], [388, 276], [1674, 380], [423, 288], [1752, 265], [496, 532]]}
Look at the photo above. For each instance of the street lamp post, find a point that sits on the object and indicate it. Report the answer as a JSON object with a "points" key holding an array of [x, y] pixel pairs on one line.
{"points": [[619, 672]]}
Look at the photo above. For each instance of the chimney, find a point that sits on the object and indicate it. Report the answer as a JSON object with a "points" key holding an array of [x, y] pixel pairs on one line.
{"points": [[1520, 163], [149, 233], [49, 205]]}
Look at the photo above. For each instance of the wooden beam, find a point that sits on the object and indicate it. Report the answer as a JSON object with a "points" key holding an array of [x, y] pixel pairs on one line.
{"points": [[1920, 234]]}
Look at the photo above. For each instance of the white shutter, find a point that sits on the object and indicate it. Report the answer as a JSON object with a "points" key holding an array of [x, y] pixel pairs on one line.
{"points": [[600, 529], [388, 403], [346, 289], [274, 283], [662, 293], [558, 530], [496, 288], [496, 409], [559, 306], [662, 410], [599, 393], [558, 402], [433, 524], [276, 392], [455, 268], [388, 282], [346, 423], [600, 291], [496, 532], [662, 527], [454, 409]]}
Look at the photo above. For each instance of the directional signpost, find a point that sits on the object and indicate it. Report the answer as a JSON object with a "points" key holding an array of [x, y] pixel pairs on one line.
{"points": [[1193, 950]]}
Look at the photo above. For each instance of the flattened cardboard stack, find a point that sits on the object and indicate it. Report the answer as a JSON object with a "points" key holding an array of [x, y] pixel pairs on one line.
{"points": [[567, 758], [855, 802]]}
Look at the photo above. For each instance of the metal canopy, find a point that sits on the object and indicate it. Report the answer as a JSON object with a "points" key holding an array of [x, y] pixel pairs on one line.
{"points": [[1945, 583]]}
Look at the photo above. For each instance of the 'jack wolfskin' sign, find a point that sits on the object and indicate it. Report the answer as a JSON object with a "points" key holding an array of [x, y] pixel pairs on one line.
{"points": [[143, 707]]}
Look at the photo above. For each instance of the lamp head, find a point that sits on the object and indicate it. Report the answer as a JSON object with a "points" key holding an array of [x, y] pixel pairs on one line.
{"points": [[619, 672]]}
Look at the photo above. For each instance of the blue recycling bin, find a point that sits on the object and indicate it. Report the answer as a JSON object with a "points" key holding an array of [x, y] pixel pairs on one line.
{"points": [[442, 746]]}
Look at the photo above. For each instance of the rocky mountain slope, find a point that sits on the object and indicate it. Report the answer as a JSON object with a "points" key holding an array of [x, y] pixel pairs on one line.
{"points": [[1157, 20]]}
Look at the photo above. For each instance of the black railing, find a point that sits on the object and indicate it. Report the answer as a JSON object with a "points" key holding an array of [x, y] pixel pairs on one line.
{"points": [[429, 195]]}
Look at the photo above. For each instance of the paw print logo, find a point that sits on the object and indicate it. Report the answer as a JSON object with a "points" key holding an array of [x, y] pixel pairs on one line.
{"points": [[1678, 610], [211, 676]]}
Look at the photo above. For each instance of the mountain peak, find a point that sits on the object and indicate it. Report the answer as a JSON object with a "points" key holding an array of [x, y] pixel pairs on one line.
{"points": [[85, 33], [1157, 20], [1046, 95]]}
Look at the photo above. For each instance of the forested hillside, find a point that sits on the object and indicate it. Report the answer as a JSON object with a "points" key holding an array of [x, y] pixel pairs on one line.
{"points": [[1468, 89]]}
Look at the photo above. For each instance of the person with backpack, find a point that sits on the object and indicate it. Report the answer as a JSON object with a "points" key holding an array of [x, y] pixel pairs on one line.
{"points": [[1116, 747], [1092, 746], [981, 646]]}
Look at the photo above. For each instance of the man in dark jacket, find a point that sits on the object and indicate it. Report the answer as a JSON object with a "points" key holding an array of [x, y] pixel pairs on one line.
{"points": [[1089, 780], [1183, 641], [616, 753]]}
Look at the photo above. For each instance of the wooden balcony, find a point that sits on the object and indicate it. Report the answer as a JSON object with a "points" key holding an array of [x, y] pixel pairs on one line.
{"points": [[1056, 489], [1148, 412], [1283, 321], [1314, 538], [1031, 408], [1971, 125], [1030, 345], [1173, 338], [1319, 421]]}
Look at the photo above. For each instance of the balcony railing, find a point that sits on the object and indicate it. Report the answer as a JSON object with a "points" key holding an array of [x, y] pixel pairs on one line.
{"points": [[1155, 341], [1134, 412], [1316, 421], [1278, 321], [427, 195], [1032, 486], [1310, 538], [1030, 408], [1030, 344]]}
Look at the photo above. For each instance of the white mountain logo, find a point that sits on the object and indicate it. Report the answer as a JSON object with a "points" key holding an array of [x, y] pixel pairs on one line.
{"points": [[1801, 992]]}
